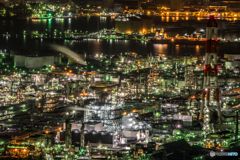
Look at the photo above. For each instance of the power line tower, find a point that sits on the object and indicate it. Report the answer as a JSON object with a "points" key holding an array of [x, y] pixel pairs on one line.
{"points": [[210, 66]]}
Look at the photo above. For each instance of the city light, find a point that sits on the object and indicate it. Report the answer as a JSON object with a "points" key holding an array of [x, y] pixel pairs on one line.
{"points": [[119, 80]]}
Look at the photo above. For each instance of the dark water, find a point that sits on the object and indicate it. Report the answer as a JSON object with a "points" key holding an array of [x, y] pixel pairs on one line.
{"points": [[92, 24], [81, 23]]}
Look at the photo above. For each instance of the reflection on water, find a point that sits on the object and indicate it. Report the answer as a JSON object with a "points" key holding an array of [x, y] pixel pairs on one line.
{"points": [[97, 46], [167, 19], [111, 47], [61, 24]]}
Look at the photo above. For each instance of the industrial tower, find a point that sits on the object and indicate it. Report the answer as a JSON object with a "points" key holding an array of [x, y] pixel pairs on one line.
{"points": [[210, 66]]}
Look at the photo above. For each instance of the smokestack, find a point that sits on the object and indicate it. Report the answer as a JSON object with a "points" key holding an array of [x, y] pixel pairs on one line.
{"points": [[236, 135], [68, 135]]}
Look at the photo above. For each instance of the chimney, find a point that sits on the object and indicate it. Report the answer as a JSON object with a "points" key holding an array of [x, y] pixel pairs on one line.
{"points": [[236, 135]]}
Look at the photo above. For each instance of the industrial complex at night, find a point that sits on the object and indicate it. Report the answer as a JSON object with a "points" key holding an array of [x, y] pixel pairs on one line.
{"points": [[119, 79]]}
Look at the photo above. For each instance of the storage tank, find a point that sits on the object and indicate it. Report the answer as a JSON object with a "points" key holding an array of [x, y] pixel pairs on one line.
{"points": [[19, 61], [33, 62], [106, 138], [75, 136], [62, 135]]}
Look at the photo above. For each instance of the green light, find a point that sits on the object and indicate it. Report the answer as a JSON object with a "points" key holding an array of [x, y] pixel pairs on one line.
{"points": [[157, 114], [18, 147], [91, 66], [214, 136], [178, 133]]}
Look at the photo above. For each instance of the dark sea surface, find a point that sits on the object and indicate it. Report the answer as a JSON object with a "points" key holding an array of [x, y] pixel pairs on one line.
{"points": [[92, 24]]}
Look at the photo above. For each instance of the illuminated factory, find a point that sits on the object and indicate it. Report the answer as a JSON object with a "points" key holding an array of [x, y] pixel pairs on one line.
{"points": [[72, 106]]}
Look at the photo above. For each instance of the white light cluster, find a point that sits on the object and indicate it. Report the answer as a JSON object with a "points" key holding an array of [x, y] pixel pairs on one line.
{"points": [[206, 127]]}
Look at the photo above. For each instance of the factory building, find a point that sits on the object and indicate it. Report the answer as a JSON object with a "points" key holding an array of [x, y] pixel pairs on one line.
{"points": [[33, 62], [109, 113], [92, 137]]}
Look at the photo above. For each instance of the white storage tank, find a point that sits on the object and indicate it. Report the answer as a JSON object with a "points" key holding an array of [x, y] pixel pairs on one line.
{"points": [[19, 61], [33, 62]]}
